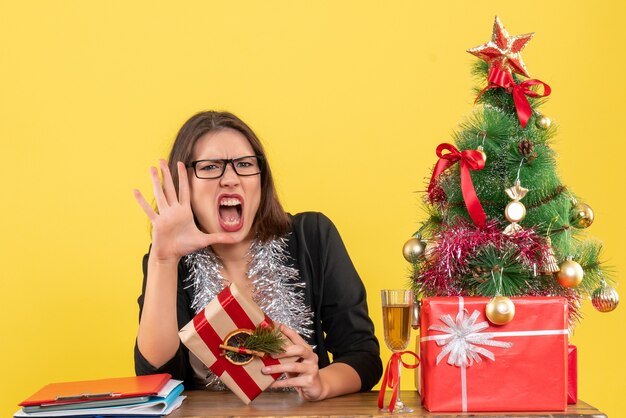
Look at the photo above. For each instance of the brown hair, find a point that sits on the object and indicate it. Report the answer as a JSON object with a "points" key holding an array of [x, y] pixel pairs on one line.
{"points": [[270, 221]]}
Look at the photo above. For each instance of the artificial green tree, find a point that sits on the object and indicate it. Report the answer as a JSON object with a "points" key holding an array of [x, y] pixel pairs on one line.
{"points": [[500, 220]]}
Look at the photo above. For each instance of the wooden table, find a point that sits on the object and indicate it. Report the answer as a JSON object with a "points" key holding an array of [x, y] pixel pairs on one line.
{"points": [[281, 404]]}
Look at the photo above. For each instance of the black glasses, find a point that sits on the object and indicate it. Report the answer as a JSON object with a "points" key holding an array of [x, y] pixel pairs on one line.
{"points": [[213, 169]]}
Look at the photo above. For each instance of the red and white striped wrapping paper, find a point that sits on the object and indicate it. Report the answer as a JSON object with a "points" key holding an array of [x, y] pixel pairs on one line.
{"points": [[229, 311]]}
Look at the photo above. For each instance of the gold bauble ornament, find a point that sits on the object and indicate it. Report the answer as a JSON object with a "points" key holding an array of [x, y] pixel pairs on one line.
{"points": [[414, 249], [570, 273], [515, 211], [500, 310], [543, 122], [581, 216], [605, 298], [482, 152]]}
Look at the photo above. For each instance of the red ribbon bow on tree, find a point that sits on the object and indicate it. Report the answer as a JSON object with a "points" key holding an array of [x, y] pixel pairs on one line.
{"points": [[470, 160], [501, 78], [391, 377]]}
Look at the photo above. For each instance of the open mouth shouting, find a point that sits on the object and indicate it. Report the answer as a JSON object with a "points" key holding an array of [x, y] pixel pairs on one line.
{"points": [[230, 211]]}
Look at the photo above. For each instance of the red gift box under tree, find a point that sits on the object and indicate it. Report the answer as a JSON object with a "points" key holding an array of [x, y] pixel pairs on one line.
{"points": [[468, 364]]}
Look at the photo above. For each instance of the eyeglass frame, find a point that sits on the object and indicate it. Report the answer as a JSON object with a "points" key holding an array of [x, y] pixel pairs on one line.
{"points": [[227, 161]]}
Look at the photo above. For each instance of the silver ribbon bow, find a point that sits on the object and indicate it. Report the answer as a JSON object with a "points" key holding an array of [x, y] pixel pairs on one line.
{"points": [[462, 337]]}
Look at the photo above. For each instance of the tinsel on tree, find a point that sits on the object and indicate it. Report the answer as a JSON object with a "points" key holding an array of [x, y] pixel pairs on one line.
{"points": [[500, 220]]}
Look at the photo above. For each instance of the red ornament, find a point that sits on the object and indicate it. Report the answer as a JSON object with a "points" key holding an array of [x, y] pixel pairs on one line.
{"points": [[503, 51]]}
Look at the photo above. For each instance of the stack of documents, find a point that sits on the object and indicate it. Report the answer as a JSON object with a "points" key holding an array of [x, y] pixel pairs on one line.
{"points": [[137, 396]]}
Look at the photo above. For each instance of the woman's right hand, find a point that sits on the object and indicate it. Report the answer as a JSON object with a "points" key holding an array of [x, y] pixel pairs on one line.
{"points": [[174, 231]]}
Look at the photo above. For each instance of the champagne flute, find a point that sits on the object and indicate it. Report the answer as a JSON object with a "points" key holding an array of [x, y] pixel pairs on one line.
{"points": [[397, 313]]}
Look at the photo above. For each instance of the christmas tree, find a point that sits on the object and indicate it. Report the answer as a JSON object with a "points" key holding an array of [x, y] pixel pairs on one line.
{"points": [[500, 220]]}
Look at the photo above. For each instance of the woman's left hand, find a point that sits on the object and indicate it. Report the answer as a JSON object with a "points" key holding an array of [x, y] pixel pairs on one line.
{"points": [[303, 375]]}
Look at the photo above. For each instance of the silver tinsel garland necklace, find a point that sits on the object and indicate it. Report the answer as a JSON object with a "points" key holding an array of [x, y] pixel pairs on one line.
{"points": [[276, 287]]}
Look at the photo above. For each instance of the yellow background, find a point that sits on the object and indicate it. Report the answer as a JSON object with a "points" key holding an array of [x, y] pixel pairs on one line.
{"points": [[351, 98]]}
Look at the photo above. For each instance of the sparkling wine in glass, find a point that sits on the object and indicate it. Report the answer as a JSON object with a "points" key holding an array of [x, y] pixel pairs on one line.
{"points": [[397, 313]]}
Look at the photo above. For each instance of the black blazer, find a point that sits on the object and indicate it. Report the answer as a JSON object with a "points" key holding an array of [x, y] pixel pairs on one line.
{"points": [[334, 291]]}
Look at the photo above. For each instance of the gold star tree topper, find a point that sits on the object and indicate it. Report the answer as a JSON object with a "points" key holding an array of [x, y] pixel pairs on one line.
{"points": [[503, 50]]}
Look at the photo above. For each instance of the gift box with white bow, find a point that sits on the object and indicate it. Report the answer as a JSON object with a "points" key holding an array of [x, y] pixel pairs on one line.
{"points": [[469, 364]]}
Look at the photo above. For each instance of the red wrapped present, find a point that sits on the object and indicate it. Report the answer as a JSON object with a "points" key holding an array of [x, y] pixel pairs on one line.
{"points": [[469, 364], [230, 311], [572, 375]]}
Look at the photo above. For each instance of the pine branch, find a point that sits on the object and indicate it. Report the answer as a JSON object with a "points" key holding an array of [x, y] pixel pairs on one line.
{"points": [[588, 256], [494, 272], [433, 223], [267, 340]]}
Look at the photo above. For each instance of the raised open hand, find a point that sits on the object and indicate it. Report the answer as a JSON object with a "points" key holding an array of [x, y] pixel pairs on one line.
{"points": [[174, 231]]}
